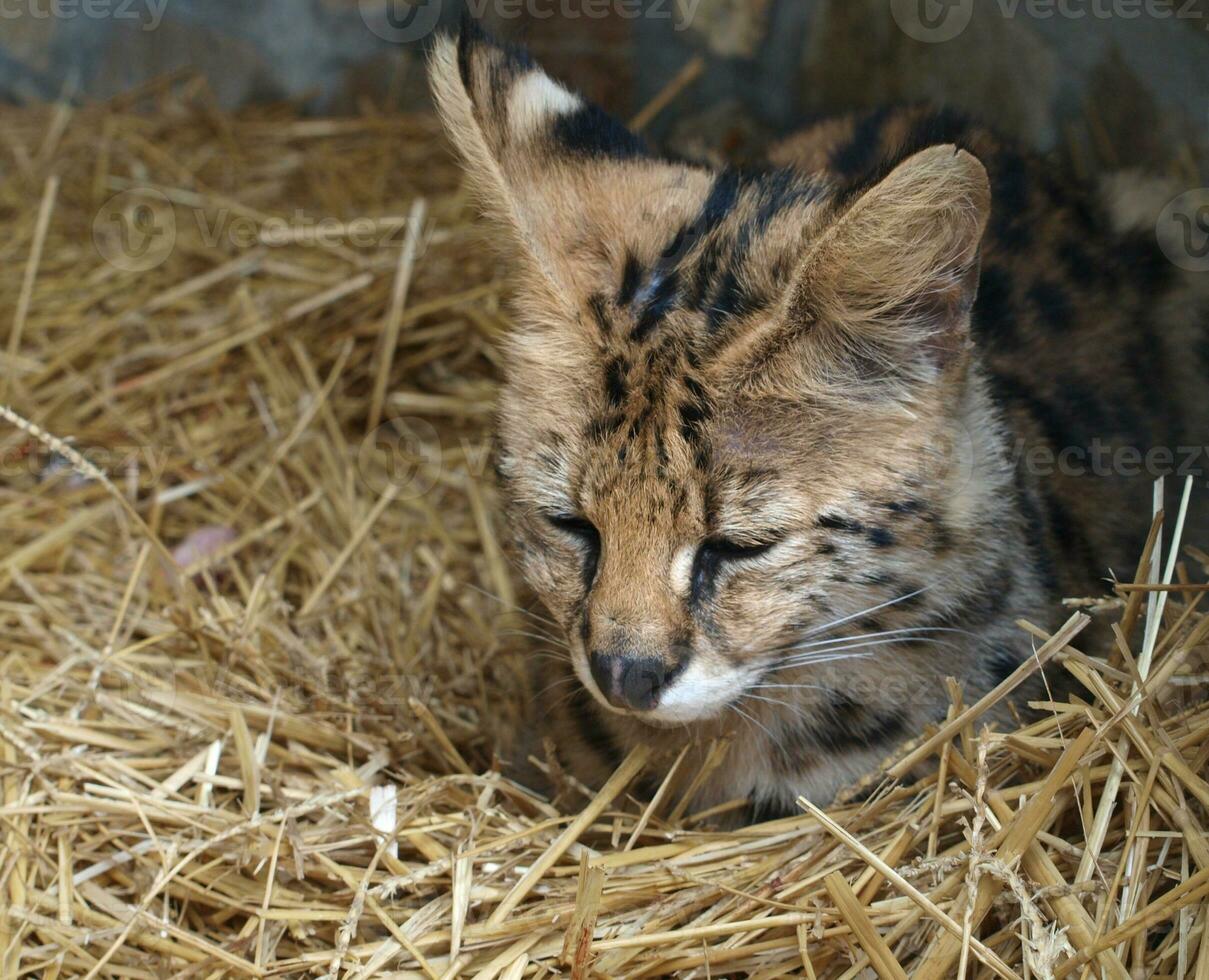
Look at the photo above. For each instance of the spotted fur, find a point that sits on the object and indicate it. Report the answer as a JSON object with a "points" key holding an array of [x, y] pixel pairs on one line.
{"points": [[760, 431]]}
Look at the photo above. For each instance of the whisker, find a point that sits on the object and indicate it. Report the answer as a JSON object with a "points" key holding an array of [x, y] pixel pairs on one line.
{"points": [[778, 745], [556, 656], [817, 659], [856, 641], [549, 638], [772, 738], [865, 612], [564, 699], [553, 684], [825, 655], [884, 637], [903, 631], [512, 605], [797, 709], [789, 687]]}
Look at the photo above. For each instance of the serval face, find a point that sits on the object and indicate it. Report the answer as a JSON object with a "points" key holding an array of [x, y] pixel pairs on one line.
{"points": [[761, 433], [728, 396]]}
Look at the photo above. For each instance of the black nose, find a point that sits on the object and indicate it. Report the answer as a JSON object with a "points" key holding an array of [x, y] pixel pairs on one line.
{"points": [[633, 681]]}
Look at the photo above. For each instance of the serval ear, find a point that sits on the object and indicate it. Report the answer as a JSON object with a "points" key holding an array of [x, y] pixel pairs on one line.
{"points": [[881, 300], [569, 187]]}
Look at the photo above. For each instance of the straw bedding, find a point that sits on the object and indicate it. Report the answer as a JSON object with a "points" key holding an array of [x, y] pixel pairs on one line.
{"points": [[261, 642]]}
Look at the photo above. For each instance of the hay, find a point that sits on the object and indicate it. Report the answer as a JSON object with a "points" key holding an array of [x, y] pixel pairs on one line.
{"points": [[279, 759]]}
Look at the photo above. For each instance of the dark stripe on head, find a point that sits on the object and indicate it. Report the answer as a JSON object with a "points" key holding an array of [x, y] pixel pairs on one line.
{"points": [[590, 131], [881, 537], [721, 200], [600, 429], [727, 293], [615, 385], [703, 274], [857, 726], [597, 304], [731, 299], [838, 522], [692, 415], [719, 203], [663, 300], [631, 279]]}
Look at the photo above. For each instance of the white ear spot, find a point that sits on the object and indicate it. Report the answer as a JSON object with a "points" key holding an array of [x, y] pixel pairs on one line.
{"points": [[535, 100]]}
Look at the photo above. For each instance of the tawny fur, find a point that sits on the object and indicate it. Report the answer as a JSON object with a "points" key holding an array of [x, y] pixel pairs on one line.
{"points": [[845, 361]]}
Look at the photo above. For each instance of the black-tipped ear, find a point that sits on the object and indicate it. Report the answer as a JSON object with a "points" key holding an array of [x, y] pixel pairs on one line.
{"points": [[509, 119], [572, 189]]}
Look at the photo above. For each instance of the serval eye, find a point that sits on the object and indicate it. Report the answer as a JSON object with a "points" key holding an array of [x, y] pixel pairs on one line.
{"points": [[584, 533], [576, 527], [716, 552]]}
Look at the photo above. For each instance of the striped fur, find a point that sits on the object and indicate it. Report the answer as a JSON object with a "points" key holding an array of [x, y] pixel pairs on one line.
{"points": [[762, 429]]}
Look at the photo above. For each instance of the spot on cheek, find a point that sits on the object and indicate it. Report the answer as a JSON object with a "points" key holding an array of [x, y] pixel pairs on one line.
{"points": [[682, 569]]}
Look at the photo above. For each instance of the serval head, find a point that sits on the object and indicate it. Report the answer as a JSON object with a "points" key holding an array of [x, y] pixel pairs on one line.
{"points": [[728, 397]]}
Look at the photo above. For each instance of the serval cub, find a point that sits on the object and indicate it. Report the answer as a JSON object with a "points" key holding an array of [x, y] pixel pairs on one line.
{"points": [[765, 437]]}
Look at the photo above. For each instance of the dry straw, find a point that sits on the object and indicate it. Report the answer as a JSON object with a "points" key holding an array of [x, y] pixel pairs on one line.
{"points": [[272, 360]]}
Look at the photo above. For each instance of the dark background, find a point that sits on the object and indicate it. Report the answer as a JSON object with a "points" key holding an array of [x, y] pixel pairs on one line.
{"points": [[1110, 82]]}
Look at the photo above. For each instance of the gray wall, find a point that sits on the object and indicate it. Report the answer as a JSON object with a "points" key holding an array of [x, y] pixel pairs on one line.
{"points": [[1120, 81]]}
